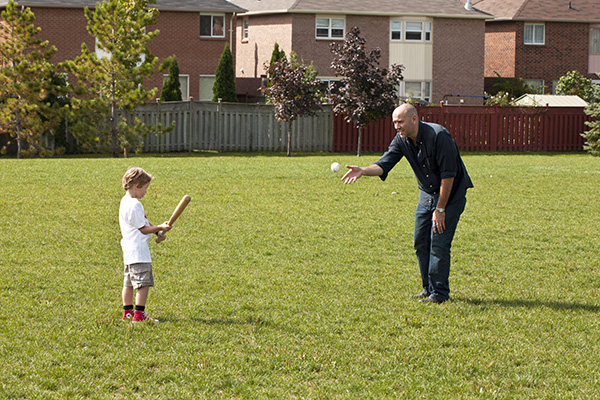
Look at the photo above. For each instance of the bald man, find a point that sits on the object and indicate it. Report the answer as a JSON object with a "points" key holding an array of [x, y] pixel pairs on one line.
{"points": [[443, 182]]}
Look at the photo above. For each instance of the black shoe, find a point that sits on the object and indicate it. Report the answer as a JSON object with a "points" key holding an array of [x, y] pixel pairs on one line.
{"points": [[432, 299], [423, 295]]}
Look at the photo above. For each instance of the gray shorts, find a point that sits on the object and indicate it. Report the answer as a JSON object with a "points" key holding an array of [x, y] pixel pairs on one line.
{"points": [[138, 275]]}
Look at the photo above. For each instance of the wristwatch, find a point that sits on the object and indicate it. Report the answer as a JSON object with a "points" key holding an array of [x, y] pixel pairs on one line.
{"points": [[440, 209]]}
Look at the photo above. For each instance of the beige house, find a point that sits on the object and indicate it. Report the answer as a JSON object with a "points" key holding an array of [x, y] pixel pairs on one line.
{"points": [[440, 42]]}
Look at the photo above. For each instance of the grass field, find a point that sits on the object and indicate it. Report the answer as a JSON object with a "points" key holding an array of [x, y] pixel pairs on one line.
{"points": [[279, 282]]}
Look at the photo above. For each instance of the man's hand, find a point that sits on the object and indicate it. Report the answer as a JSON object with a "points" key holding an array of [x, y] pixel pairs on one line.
{"points": [[439, 221], [353, 174]]}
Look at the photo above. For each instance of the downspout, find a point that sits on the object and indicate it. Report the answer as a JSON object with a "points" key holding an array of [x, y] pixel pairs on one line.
{"points": [[231, 30]]}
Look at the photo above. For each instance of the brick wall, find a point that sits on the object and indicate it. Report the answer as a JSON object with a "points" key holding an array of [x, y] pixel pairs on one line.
{"points": [[180, 36], [458, 59], [296, 32], [373, 29], [500, 43], [65, 28], [263, 32], [566, 49]]}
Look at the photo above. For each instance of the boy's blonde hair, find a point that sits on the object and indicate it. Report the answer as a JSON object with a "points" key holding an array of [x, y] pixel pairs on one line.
{"points": [[135, 176]]}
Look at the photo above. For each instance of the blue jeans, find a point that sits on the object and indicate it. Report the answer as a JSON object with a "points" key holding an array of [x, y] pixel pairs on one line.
{"points": [[433, 249]]}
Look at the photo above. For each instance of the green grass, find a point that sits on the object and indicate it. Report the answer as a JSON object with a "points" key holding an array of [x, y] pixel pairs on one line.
{"points": [[280, 282]]}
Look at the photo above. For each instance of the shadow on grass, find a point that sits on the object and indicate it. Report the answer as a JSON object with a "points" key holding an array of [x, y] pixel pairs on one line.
{"points": [[516, 303]]}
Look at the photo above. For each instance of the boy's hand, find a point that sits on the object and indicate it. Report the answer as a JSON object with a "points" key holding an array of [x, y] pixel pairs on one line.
{"points": [[165, 227], [161, 237]]}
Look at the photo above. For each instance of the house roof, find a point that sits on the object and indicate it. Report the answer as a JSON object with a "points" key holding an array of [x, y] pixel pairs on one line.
{"points": [[446, 8], [550, 100], [542, 10], [164, 5]]}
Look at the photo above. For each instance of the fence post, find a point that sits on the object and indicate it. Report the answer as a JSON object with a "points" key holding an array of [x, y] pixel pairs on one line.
{"points": [[191, 124], [493, 137]]}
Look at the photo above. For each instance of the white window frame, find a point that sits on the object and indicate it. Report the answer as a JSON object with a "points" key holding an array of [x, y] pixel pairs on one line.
{"points": [[594, 40], [201, 80], [425, 90], [396, 29], [329, 25], [409, 30], [245, 25], [212, 25], [538, 84], [185, 91], [403, 28], [534, 29], [428, 31]]}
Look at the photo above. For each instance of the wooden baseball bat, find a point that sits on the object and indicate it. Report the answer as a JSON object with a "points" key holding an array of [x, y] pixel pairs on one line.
{"points": [[178, 210]]}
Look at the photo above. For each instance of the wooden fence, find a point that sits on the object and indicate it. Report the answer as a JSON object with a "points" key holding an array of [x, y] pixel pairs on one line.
{"points": [[233, 127], [482, 128]]}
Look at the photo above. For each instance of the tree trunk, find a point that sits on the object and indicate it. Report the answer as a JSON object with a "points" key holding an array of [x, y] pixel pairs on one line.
{"points": [[359, 141], [19, 156]]}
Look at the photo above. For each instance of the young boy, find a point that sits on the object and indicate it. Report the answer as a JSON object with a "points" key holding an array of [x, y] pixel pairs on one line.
{"points": [[136, 231]]}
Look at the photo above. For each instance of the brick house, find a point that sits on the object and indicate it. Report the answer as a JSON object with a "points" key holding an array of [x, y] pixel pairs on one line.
{"points": [[440, 42], [195, 31], [541, 40]]}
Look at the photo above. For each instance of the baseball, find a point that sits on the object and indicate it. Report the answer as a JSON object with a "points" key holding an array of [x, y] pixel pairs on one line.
{"points": [[335, 167]]}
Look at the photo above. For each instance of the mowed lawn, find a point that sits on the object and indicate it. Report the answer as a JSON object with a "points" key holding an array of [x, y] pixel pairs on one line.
{"points": [[279, 282]]}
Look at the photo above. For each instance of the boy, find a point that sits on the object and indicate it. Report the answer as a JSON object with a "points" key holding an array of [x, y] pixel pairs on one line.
{"points": [[136, 231]]}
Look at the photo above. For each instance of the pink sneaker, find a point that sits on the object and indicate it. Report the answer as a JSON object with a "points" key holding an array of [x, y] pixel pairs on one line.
{"points": [[127, 314], [141, 316]]}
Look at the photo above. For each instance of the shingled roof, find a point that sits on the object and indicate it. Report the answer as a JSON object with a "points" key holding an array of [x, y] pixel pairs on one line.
{"points": [[542, 10], [164, 5], [446, 8]]}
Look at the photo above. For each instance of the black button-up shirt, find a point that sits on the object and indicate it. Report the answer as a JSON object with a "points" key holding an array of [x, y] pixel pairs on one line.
{"points": [[433, 157]]}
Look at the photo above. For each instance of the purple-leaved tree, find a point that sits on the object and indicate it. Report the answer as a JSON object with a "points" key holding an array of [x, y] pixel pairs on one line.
{"points": [[292, 91], [367, 91]]}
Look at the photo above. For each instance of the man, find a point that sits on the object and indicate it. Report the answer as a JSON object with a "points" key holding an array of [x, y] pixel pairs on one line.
{"points": [[443, 182]]}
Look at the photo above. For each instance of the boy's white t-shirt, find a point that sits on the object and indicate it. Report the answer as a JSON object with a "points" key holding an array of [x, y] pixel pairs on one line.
{"points": [[134, 243]]}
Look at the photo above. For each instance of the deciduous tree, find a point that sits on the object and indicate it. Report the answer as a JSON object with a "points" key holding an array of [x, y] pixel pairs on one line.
{"points": [[574, 83], [292, 91], [367, 91]]}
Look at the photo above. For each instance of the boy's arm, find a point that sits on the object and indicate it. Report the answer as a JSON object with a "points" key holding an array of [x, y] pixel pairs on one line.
{"points": [[149, 229]]}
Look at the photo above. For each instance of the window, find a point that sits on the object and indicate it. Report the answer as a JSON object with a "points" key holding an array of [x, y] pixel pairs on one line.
{"points": [[212, 25], [206, 85], [330, 28], [417, 90], [595, 40], [184, 85], [329, 85], [536, 84], [245, 30], [534, 33], [101, 53], [414, 31], [396, 30]]}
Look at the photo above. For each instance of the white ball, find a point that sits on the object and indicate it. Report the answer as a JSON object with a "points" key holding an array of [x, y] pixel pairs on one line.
{"points": [[335, 167]]}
